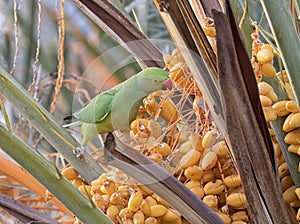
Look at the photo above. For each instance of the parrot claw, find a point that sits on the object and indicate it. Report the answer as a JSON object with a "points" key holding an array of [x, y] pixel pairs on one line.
{"points": [[79, 152]]}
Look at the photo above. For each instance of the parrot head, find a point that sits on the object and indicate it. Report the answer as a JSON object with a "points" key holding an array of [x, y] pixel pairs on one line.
{"points": [[153, 79]]}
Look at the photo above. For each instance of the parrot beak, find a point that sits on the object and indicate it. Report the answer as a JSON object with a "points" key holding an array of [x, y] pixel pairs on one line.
{"points": [[168, 84]]}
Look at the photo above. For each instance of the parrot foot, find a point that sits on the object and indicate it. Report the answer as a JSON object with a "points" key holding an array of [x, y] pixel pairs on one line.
{"points": [[79, 152]]}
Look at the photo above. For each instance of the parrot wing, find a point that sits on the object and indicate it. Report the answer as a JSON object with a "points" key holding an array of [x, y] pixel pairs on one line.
{"points": [[97, 109]]}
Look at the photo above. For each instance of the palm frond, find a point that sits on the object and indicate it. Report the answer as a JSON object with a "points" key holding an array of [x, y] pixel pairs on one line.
{"points": [[120, 28]]}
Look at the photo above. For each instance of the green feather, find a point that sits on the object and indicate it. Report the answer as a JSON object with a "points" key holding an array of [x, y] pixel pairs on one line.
{"points": [[97, 109]]}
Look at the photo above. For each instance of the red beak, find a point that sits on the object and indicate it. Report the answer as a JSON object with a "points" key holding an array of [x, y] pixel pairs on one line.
{"points": [[168, 83]]}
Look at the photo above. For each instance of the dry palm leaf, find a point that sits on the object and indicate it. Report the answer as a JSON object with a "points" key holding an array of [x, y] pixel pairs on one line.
{"points": [[119, 27], [23, 212], [248, 135]]}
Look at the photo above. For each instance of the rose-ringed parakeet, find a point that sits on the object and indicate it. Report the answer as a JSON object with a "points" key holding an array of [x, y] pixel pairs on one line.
{"points": [[114, 109]]}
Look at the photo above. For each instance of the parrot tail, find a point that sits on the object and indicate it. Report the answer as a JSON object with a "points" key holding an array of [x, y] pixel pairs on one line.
{"points": [[67, 122], [73, 124]]}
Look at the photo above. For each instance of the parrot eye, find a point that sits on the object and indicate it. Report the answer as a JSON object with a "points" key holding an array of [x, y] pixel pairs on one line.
{"points": [[155, 81]]}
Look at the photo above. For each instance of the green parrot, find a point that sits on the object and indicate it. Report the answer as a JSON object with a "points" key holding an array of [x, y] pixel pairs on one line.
{"points": [[116, 108]]}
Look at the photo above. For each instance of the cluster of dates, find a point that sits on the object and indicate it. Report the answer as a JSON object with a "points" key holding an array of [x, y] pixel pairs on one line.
{"points": [[273, 108]]}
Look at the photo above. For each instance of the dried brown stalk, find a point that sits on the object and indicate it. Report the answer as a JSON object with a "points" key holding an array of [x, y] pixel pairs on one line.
{"points": [[60, 72]]}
